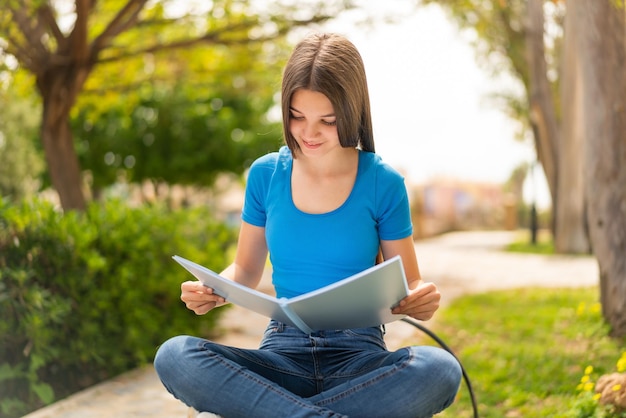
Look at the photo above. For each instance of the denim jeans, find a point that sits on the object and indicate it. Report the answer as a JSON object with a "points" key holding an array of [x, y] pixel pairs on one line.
{"points": [[331, 373]]}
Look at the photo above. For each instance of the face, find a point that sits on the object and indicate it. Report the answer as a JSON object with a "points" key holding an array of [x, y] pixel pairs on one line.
{"points": [[312, 122]]}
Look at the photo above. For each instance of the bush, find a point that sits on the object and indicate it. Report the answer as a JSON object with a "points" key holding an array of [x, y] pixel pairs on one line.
{"points": [[86, 296]]}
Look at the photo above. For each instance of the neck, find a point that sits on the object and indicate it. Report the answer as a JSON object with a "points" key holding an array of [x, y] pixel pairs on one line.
{"points": [[330, 165]]}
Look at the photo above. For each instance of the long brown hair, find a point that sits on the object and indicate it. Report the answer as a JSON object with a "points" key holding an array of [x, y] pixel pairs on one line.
{"points": [[330, 64]]}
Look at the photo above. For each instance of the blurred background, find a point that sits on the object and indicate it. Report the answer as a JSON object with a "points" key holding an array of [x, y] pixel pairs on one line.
{"points": [[160, 112], [127, 128]]}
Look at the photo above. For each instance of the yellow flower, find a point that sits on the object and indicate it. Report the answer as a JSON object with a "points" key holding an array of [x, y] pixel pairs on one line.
{"points": [[597, 396], [588, 370], [581, 308], [588, 387], [621, 363], [617, 387], [584, 379]]}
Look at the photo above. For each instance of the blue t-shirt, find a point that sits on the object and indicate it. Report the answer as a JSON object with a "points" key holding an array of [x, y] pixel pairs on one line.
{"points": [[309, 251]]}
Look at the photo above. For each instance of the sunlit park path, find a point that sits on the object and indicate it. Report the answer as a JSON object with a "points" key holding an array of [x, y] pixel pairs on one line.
{"points": [[460, 263]]}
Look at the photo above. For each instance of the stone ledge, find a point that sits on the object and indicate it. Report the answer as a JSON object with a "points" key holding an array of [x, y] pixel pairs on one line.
{"points": [[138, 393]]}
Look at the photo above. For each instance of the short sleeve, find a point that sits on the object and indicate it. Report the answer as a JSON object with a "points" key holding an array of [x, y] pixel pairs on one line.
{"points": [[259, 176], [393, 208]]}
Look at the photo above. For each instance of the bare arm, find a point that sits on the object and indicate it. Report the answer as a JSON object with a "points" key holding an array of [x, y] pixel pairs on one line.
{"points": [[423, 299], [250, 258], [247, 269]]}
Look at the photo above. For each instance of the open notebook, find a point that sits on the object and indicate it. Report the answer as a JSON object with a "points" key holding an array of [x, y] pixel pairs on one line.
{"points": [[362, 300]]}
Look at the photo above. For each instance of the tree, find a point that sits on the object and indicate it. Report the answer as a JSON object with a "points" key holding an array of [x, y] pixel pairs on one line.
{"points": [[210, 118], [571, 234], [590, 146], [20, 161], [518, 36], [62, 50], [600, 42], [542, 110], [176, 134]]}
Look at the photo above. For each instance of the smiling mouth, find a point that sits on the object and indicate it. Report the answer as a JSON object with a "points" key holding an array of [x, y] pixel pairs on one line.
{"points": [[310, 144]]}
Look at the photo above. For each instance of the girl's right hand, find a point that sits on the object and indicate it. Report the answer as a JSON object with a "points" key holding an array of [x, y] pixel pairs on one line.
{"points": [[199, 298]]}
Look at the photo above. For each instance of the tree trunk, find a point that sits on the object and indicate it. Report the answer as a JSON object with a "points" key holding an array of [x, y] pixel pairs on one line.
{"points": [[602, 46], [541, 102], [62, 160], [59, 87], [570, 229]]}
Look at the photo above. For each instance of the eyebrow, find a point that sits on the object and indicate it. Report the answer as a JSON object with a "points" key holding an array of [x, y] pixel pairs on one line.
{"points": [[330, 115]]}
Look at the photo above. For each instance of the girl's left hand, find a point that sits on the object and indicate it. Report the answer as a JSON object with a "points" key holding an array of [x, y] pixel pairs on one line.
{"points": [[421, 303]]}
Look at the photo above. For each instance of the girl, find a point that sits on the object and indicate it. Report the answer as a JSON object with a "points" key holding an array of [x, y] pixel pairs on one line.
{"points": [[324, 207]]}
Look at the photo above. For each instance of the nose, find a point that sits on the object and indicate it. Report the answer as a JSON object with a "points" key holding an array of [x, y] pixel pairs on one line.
{"points": [[309, 130]]}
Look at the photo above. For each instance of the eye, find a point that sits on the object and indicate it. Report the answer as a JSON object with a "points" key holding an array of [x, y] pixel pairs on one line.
{"points": [[329, 123], [294, 117]]}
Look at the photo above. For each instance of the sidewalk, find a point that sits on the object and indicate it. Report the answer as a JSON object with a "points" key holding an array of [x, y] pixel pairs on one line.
{"points": [[459, 263]]}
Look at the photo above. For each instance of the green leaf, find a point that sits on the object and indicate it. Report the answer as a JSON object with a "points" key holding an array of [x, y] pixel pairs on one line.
{"points": [[7, 372], [44, 392]]}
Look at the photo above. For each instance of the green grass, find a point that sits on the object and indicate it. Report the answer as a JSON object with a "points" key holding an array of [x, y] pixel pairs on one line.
{"points": [[526, 350], [543, 245]]}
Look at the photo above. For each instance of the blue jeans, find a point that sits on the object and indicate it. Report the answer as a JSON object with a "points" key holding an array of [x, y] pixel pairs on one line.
{"points": [[332, 373]]}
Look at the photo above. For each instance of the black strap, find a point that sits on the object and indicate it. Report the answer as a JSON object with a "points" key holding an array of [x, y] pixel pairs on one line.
{"points": [[445, 347]]}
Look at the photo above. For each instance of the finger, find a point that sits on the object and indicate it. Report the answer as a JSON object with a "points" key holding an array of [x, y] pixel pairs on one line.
{"points": [[425, 288], [425, 305], [200, 308], [196, 286], [423, 316], [418, 297], [200, 298], [421, 312]]}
